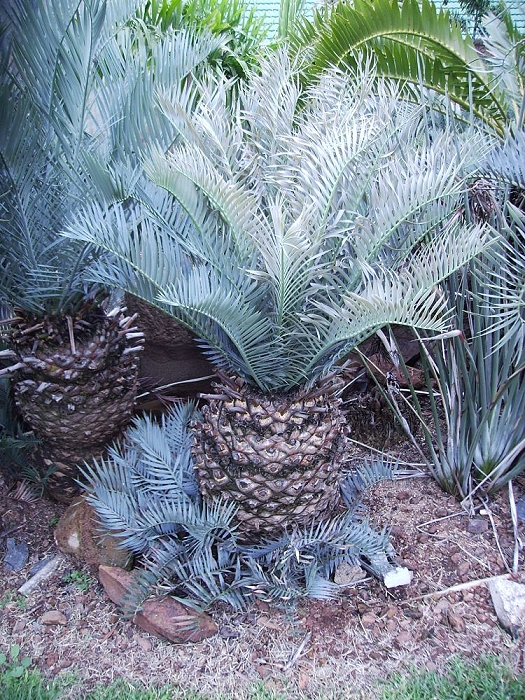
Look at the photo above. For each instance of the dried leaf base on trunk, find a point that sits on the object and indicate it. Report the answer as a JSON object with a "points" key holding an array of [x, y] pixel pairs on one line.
{"points": [[277, 457], [76, 387]]}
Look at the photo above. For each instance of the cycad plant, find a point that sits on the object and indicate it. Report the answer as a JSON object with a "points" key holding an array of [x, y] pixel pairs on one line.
{"points": [[74, 369], [476, 381], [70, 96], [146, 494], [284, 227]]}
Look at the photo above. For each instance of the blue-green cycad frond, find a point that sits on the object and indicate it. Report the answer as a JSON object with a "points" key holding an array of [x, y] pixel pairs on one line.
{"points": [[212, 525], [200, 580], [299, 249], [192, 548], [502, 282], [37, 267], [270, 106], [369, 473], [506, 163], [302, 563], [56, 48], [236, 205], [204, 295]]}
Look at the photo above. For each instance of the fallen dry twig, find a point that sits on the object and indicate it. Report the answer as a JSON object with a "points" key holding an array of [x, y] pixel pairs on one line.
{"points": [[463, 586]]}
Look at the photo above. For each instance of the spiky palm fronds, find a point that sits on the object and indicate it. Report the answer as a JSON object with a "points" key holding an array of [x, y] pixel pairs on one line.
{"points": [[305, 220], [414, 43], [144, 493], [302, 214]]}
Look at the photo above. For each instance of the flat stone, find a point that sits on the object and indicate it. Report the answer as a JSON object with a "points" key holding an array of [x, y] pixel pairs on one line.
{"points": [[456, 622], [347, 575], [508, 598], [144, 644], [53, 617], [477, 526], [16, 555], [41, 564], [166, 617], [400, 576], [78, 533], [170, 619], [404, 639], [463, 568], [117, 583], [19, 626], [368, 620]]}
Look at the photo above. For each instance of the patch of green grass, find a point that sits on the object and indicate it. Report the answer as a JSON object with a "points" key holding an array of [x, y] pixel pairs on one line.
{"points": [[79, 579], [18, 681], [487, 679], [12, 597], [122, 690]]}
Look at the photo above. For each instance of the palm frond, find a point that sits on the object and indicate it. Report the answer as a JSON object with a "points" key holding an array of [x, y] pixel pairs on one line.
{"points": [[294, 251], [413, 42]]}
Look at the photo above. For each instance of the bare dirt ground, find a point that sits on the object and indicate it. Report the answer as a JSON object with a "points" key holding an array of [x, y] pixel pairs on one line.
{"points": [[320, 649]]}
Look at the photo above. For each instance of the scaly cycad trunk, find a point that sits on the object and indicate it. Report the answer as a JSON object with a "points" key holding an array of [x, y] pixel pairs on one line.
{"points": [[277, 456], [75, 385]]}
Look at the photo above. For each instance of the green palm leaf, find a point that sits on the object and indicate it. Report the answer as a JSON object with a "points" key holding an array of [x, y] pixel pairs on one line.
{"points": [[411, 41]]}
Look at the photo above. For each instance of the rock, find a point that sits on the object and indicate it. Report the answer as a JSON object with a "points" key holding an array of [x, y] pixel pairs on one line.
{"points": [[43, 572], [53, 617], [144, 644], [477, 526], [347, 575], [39, 565], [77, 533], [19, 626], [116, 582], [508, 598], [400, 576], [164, 617], [404, 639], [16, 555], [264, 671], [456, 622], [303, 681], [170, 619], [368, 620], [463, 568], [397, 531]]}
